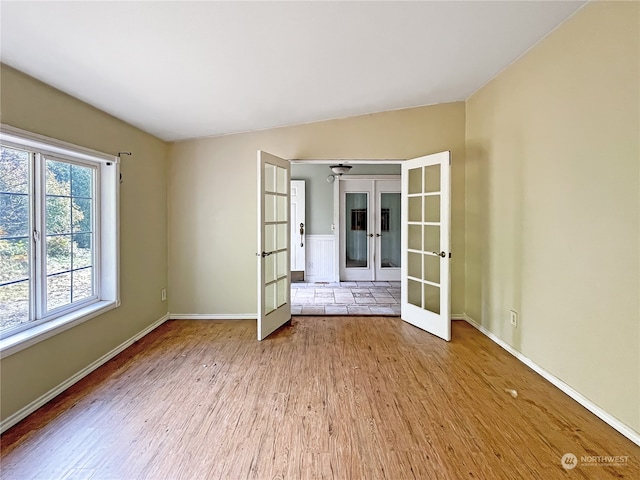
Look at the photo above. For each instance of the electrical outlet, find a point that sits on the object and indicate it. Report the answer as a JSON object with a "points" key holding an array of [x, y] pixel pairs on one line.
{"points": [[163, 294], [514, 318]]}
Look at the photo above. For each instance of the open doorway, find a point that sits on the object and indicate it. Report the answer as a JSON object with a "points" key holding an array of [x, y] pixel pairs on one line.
{"points": [[322, 289], [425, 245]]}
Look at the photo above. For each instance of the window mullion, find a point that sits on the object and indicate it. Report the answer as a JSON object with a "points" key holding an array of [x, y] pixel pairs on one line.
{"points": [[33, 255], [39, 237]]}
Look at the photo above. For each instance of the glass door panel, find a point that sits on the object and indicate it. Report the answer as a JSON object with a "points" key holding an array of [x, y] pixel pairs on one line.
{"points": [[390, 230], [357, 239]]}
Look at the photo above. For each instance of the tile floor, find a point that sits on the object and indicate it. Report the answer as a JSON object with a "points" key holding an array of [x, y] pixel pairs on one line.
{"points": [[345, 298]]}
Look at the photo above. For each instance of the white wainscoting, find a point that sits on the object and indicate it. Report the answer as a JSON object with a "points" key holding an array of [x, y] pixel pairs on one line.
{"points": [[320, 259]]}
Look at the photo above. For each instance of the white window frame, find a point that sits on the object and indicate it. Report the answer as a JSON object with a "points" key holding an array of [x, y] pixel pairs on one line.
{"points": [[106, 247]]}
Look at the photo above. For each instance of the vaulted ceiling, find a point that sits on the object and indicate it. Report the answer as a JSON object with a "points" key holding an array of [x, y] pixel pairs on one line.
{"points": [[184, 69]]}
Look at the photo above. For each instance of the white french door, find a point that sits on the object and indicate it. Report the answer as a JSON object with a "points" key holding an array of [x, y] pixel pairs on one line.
{"points": [[370, 247], [426, 226], [274, 276]]}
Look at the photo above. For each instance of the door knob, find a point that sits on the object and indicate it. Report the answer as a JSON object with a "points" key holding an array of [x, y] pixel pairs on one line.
{"points": [[441, 254], [378, 234], [371, 234]]}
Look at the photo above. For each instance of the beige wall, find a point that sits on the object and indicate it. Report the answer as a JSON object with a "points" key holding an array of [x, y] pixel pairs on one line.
{"points": [[212, 196], [31, 105], [552, 206]]}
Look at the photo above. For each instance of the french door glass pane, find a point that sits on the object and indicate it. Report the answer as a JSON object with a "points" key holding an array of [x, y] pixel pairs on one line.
{"points": [[415, 209], [282, 238], [432, 298], [270, 299], [15, 254], [414, 267], [415, 237], [270, 268], [432, 208], [270, 178], [415, 180], [356, 244], [269, 238], [432, 268], [283, 287], [432, 178], [414, 293], [282, 264], [432, 238], [390, 230], [269, 208], [69, 211]]}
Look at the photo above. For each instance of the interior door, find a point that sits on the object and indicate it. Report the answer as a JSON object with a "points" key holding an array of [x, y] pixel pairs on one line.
{"points": [[357, 225], [426, 225], [298, 229], [274, 275]]}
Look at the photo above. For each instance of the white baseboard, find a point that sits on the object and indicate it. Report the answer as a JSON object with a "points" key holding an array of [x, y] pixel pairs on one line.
{"points": [[213, 316], [11, 420], [625, 430], [318, 279]]}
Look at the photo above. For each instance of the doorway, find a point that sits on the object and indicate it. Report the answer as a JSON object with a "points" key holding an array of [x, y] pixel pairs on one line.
{"points": [[322, 291], [425, 250]]}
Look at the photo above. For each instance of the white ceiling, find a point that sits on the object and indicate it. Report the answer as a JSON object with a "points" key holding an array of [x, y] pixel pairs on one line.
{"points": [[187, 69]]}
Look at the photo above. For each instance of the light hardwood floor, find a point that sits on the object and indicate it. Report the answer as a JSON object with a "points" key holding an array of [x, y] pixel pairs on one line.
{"points": [[324, 397]]}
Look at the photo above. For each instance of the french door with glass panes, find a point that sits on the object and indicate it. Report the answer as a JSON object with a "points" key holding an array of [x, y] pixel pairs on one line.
{"points": [[274, 235], [370, 247], [426, 221]]}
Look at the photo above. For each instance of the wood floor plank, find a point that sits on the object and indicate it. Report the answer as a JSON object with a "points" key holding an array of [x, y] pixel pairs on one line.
{"points": [[324, 397]]}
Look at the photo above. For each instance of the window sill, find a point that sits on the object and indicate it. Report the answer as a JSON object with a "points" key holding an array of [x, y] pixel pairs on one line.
{"points": [[31, 336]]}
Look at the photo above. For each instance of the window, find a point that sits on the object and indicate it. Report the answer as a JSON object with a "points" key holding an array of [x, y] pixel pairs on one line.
{"points": [[58, 234]]}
